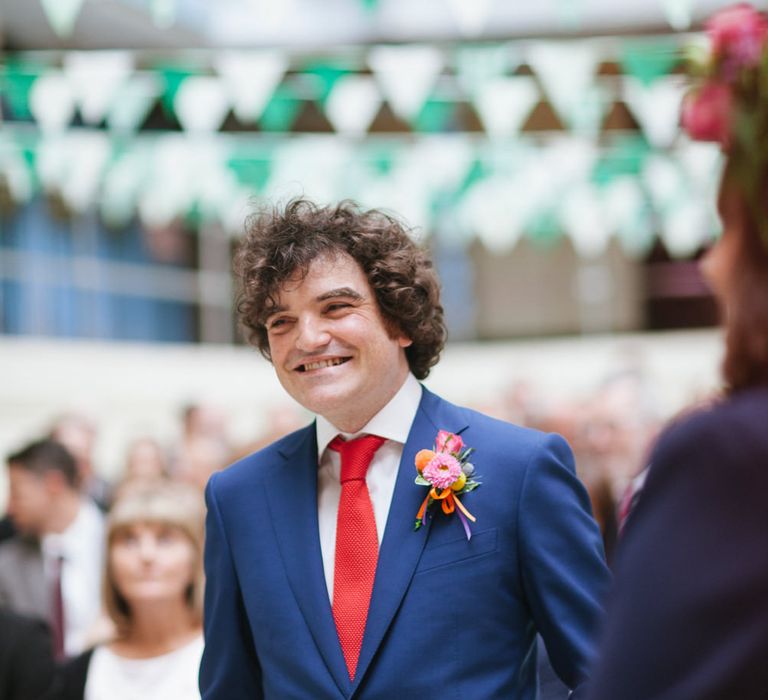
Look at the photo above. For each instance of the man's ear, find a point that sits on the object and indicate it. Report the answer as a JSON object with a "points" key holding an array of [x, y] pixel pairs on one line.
{"points": [[404, 341]]}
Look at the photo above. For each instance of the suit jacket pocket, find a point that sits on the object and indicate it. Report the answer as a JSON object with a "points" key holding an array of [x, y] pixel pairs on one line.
{"points": [[459, 550]]}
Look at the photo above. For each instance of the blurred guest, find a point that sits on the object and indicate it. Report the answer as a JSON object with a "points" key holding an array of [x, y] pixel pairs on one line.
{"points": [[689, 615], [204, 420], [204, 447], [198, 458], [145, 460], [51, 568], [618, 425], [153, 588], [77, 432], [26, 657]]}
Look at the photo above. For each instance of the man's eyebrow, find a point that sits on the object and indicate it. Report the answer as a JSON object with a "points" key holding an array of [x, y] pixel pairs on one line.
{"points": [[330, 294], [272, 310], [340, 292]]}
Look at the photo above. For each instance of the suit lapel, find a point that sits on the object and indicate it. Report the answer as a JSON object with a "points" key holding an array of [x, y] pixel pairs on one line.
{"points": [[292, 494], [401, 547]]}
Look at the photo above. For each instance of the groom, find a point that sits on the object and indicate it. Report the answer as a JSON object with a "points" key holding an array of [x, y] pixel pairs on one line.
{"points": [[318, 584]]}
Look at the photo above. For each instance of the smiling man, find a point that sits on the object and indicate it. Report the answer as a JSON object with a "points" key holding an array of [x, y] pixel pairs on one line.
{"points": [[319, 584]]}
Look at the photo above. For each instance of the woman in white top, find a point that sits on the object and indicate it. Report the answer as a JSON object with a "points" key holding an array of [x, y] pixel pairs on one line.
{"points": [[153, 588]]}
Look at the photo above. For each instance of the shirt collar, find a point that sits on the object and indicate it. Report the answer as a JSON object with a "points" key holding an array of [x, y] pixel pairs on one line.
{"points": [[76, 535], [392, 422]]}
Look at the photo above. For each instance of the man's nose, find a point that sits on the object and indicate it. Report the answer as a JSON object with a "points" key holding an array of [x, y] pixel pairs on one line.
{"points": [[313, 334]]}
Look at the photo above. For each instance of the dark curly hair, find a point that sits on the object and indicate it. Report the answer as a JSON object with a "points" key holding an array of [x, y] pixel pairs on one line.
{"points": [[283, 241]]}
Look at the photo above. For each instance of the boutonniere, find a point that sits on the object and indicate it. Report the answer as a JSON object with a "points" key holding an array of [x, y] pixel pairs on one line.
{"points": [[448, 473]]}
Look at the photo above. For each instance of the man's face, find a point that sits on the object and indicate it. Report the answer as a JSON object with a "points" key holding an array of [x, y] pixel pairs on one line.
{"points": [[29, 500], [330, 346]]}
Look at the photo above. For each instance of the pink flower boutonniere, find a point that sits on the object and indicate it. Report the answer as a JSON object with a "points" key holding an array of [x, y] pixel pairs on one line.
{"points": [[448, 473]]}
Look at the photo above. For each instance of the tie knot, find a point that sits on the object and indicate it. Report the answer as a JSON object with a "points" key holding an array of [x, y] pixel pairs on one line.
{"points": [[356, 455]]}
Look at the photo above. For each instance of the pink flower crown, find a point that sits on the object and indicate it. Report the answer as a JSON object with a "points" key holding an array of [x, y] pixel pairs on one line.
{"points": [[728, 103], [731, 80]]}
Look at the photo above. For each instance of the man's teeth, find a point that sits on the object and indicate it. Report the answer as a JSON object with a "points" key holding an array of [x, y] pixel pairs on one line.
{"points": [[322, 364]]}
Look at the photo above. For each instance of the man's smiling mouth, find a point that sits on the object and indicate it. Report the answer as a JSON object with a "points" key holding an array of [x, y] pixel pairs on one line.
{"points": [[322, 364]]}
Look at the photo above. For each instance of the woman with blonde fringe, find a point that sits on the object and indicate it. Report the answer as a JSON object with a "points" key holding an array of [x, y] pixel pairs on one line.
{"points": [[153, 587]]}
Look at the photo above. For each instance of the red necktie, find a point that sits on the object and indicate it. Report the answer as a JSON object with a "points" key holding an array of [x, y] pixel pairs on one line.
{"points": [[57, 607], [357, 545]]}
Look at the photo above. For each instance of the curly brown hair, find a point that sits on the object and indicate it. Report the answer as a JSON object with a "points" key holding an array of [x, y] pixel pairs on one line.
{"points": [[281, 242]]}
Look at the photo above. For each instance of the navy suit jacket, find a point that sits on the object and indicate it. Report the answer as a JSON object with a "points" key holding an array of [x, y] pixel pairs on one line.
{"points": [[449, 618], [688, 619]]}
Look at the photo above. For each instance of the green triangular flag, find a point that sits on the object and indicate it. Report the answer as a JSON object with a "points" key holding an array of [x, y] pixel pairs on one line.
{"points": [[649, 61], [251, 170], [626, 157], [281, 111], [435, 116], [326, 75], [544, 229], [16, 83], [172, 78]]}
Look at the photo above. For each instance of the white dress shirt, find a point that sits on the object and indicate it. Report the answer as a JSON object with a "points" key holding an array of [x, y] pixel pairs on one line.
{"points": [[392, 422], [81, 546]]}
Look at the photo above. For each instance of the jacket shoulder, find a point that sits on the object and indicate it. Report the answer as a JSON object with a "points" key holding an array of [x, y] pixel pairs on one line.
{"points": [[502, 438], [733, 423]]}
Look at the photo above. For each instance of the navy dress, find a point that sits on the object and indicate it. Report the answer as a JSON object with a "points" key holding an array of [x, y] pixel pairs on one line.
{"points": [[688, 618]]}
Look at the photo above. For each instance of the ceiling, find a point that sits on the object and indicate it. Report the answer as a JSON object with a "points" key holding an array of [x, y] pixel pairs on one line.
{"points": [[325, 24]]}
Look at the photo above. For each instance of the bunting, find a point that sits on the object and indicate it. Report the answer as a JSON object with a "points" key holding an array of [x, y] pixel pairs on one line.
{"points": [[62, 15], [406, 76]]}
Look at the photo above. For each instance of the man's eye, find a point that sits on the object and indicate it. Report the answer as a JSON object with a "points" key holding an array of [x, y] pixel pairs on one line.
{"points": [[276, 323], [337, 306]]}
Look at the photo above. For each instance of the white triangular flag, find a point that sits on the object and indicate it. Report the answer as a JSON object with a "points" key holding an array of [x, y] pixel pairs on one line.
{"points": [[583, 219], [51, 102], [504, 104], [679, 13], [567, 71], [62, 15], [686, 227], [491, 209], [133, 102], [471, 15], [95, 78], [625, 212], [476, 65], [122, 183], [250, 78], [16, 172], [701, 161], [656, 107], [352, 104], [52, 161], [436, 162], [201, 103], [663, 179], [89, 153], [406, 75]]}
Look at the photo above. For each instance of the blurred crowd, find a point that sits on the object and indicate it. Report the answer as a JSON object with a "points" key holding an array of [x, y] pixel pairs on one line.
{"points": [[85, 562]]}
